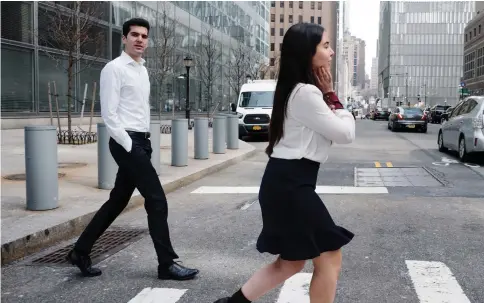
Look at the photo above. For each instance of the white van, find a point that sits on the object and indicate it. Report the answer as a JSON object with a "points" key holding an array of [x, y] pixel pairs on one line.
{"points": [[254, 107]]}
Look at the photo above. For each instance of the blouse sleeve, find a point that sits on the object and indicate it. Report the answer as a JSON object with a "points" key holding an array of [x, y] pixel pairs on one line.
{"points": [[310, 109]]}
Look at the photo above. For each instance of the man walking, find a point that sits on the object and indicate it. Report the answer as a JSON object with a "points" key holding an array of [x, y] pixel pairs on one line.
{"points": [[125, 108]]}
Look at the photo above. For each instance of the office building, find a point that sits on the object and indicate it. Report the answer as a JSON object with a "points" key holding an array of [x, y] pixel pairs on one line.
{"points": [[473, 78], [284, 14], [354, 50], [28, 68], [421, 49], [374, 74]]}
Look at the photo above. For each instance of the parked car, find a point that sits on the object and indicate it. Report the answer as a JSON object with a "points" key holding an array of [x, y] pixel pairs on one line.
{"points": [[445, 116], [464, 131], [380, 114], [406, 118], [436, 112]]}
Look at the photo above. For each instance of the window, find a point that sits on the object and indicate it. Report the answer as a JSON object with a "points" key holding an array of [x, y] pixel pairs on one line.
{"points": [[300, 19], [479, 28], [90, 73], [281, 32], [300, 4], [17, 21], [290, 4], [257, 99], [320, 5], [273, 31], [116, 43], [273, 3], [280, 46], [272, 62], [281, 3], [319, 20], [50, 71], [272, 47], [312, 4], [290, 18], [475, 32], [17, 83], [273, 17], [312, 19], [281, 18]]}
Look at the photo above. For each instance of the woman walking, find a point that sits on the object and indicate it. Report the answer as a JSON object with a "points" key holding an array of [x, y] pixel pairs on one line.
{"points": [[307, 118]]}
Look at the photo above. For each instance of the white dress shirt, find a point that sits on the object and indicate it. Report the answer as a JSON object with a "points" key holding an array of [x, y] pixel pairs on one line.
{"points": [[310, 126], [125, 104]]}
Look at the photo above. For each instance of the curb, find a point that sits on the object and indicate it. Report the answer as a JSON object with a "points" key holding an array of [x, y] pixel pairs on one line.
{"points": [[35, 242]]}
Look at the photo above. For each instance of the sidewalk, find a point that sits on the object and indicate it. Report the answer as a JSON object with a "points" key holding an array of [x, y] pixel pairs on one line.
{"points": [[25, 232]]}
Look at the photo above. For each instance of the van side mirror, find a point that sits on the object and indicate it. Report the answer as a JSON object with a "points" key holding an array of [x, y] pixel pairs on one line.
{"points": [[233, 107]]}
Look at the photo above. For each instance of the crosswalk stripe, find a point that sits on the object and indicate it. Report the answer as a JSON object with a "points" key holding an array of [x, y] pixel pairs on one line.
{"points": [[434, 283], [296, 289], [319, 190], [158, 295]]}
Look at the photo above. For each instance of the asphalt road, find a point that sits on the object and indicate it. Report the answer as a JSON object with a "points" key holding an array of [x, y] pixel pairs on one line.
{"points": [[412, 244]]}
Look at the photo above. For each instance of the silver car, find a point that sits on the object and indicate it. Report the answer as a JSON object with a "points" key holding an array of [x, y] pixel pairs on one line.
{"points": [[464, 131]]}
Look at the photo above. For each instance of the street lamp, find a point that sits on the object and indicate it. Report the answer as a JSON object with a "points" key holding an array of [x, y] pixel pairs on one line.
{"points": [[188, 62], [248, 78]]}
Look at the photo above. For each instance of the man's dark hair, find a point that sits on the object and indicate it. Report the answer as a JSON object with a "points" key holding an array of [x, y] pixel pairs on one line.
{"points": [[135, 22]]}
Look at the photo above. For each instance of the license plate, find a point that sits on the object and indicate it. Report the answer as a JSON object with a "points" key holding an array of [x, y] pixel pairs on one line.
{"points": [[411, 126], [257, 127]]}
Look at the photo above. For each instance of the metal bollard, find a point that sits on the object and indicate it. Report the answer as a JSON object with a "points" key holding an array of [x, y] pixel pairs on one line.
{"points": [[179, 142], [41, 167], [201, 138], [218, 133], [233, 132], [106, 166], [155, 130]]}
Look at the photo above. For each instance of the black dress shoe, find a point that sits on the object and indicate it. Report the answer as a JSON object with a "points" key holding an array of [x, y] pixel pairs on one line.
{"points": [[84, 263], [176, 271]]}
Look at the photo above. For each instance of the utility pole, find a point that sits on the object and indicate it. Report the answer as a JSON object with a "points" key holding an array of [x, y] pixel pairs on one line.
{"points": [[406, 88]]}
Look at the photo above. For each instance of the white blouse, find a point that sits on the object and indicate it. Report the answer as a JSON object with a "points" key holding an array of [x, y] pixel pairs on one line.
{"points": [[310, 126]]}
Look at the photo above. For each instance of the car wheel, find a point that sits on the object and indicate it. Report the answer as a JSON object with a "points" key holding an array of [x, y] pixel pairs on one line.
{"points": [[423, 130], [463, 155], [393, 127], [440, 142]]}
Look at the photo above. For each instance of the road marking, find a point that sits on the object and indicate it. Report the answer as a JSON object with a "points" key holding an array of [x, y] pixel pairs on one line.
{"points": [[377, 164], [296, 289], [319, 190], [158, 295], [434, 283], [389, 164]]}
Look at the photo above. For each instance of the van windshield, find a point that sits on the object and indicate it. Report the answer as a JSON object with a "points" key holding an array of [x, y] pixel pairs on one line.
{"points": [[256, 99]]}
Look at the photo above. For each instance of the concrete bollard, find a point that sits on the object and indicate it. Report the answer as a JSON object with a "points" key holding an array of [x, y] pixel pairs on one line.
{"points": [[233, 132], [155, 131], [218, 134], [179, 142], [41, 167], [106, 166], [201, 138]]}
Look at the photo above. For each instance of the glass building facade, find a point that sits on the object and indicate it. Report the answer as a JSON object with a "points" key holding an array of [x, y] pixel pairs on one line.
{"points": [[27, 65], [421, 50]]}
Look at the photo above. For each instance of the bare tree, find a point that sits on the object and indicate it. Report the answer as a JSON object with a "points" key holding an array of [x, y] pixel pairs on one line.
{"points": [[237, 67], [256, 65], [163, 54], [210, 64], [70, 27]]}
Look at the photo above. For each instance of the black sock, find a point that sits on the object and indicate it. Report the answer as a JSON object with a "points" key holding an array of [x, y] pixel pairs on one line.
{"points": [[239, 297]]}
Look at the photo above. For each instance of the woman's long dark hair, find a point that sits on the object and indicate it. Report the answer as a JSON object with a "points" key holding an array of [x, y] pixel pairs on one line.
{"points": [[295, 66]]}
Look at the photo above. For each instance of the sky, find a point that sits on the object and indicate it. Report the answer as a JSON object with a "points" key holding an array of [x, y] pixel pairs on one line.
{"points": [[364, 16]]}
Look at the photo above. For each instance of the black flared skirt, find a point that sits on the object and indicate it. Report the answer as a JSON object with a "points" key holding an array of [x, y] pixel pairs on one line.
{"points": [[296, 223]]}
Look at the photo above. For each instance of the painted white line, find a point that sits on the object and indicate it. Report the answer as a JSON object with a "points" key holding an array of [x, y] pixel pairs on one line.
{"points": [[319, 190], [158, 295], [295, 289], [247, 205], [434, 283]]}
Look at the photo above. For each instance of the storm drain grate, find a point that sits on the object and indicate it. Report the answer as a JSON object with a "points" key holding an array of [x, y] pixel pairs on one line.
{"points": [[109, 243]]}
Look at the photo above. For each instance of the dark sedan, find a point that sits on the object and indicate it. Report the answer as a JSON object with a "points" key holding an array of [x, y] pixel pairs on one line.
{"points": [[380, 114], [408, 118]]}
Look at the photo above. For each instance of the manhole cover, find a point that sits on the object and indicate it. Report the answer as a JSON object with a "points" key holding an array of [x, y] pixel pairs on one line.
{"points": [[395, 176], [71, 164], [109, 243], [21, 177]]}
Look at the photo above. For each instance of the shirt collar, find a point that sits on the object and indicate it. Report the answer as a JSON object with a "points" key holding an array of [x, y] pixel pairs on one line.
{"points": [[128, 60]]}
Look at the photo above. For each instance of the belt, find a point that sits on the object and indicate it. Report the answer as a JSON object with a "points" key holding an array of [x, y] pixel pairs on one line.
{"points": [[145, 135]]}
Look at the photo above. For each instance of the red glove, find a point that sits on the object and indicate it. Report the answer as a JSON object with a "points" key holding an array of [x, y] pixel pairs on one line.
{"points": [[332, 100]]}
